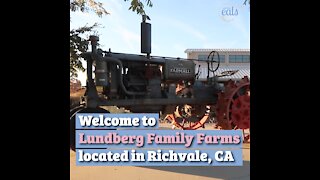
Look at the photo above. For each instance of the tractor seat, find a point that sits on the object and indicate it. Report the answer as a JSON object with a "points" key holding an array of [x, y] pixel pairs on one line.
{"points": [[228, 73]]}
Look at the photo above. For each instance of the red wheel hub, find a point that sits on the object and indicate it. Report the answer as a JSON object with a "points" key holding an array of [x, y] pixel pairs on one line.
{"points": [[185, 124], [240, 112], [233, 105]]}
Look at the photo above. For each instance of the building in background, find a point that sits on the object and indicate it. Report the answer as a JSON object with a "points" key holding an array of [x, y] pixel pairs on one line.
{"points": [[230, 60], [75, 85]]}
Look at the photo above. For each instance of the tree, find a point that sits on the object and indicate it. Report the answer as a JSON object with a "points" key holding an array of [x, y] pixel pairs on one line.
{"points": [[78, 44]]}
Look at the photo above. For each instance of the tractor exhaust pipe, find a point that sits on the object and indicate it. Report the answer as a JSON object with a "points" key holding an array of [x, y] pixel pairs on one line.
{"points": [[145, 36]]}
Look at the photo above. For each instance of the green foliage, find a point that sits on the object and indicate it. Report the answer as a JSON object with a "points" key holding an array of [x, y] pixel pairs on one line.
{"points": [[88, 5], [246, 1], [137, 6], [78, 37], [78, 45]]}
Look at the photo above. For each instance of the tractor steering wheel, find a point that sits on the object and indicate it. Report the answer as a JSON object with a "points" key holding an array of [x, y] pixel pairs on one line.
{"points": [[212, 61]]}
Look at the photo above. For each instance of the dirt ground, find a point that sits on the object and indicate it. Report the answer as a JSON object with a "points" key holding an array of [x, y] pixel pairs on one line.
{"points": [[162, 173]]}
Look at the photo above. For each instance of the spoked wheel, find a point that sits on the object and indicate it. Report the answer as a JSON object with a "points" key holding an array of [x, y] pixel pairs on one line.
{"points": [[233, 106], [73, 112], [190, 117]]}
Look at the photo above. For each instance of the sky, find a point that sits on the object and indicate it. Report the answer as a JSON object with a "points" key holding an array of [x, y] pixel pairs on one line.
{"points": [[176, 25]]}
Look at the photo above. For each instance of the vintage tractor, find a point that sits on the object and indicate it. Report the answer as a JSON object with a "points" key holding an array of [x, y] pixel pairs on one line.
{"points": [[169, 86]]}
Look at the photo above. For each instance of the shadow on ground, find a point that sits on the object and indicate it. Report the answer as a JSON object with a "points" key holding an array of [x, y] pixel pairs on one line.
{"points": [[231, 173]]}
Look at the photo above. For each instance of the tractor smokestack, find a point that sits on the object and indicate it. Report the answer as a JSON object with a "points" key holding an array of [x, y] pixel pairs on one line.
{"points": [[145, 36]]}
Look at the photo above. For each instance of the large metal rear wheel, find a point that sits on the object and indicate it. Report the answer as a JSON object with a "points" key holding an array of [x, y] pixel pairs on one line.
{"points": [[233, 106]]}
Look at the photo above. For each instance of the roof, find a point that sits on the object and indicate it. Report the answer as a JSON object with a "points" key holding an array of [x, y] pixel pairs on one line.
{"points": [[219, 50], [244, 70]]}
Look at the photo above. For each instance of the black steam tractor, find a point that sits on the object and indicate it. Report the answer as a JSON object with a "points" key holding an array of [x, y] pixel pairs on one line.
{"points": [[169, 86]]}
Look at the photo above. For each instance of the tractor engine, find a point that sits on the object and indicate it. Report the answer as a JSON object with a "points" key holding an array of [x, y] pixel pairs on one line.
{"points": [[130, 76]]}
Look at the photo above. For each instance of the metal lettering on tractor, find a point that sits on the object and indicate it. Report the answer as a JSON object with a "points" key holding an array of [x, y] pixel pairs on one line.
{"points": [[179, 70]]}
